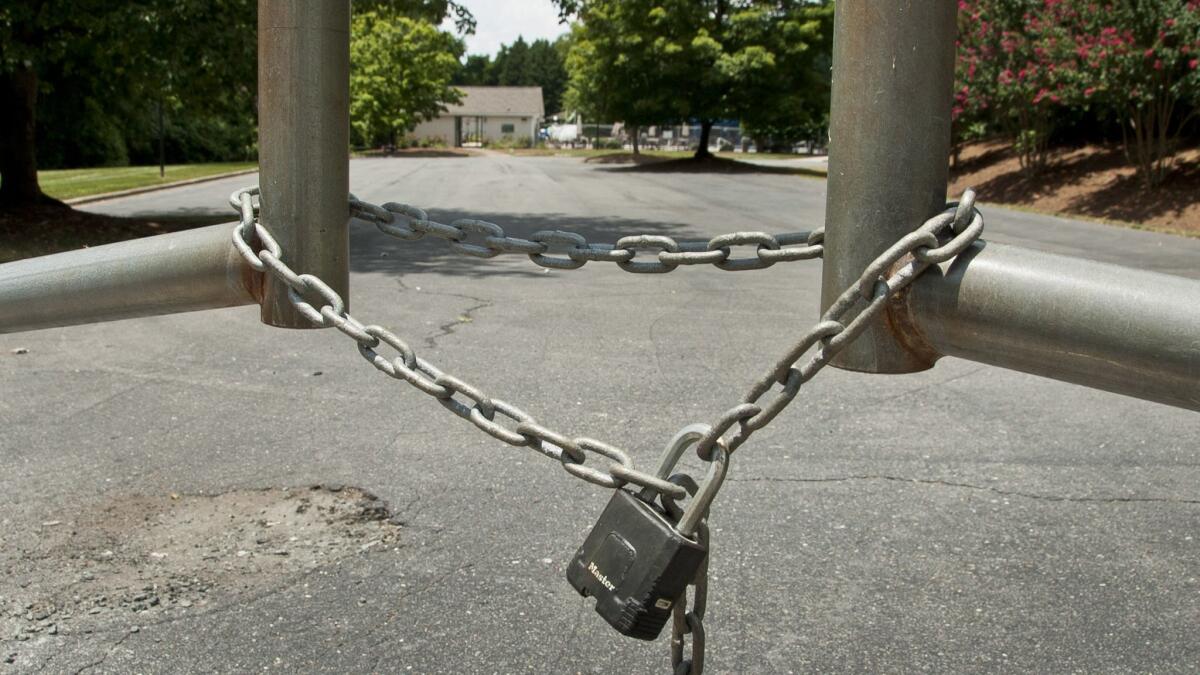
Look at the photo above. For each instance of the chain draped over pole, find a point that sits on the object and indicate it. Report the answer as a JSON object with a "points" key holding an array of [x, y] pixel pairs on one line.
{"points": [[410, 223], [937, 240]]}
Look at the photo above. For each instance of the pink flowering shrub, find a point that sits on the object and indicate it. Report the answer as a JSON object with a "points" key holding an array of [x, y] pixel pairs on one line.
{"points": [[1152, 85], [1016, 66], [1027, 67]]}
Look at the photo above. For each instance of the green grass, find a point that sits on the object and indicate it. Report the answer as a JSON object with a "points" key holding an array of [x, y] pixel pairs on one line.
{"points": [[72, 183]]}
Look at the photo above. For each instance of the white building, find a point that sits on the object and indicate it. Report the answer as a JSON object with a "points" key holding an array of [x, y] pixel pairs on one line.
{"points": [[487, 115]]}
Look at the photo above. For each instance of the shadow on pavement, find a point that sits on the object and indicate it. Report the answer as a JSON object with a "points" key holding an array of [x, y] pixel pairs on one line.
{"points": [[373, 251], [713, 165]]}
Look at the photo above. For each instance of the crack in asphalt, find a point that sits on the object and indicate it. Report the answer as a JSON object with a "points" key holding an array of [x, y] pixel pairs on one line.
{"points": [[466, 316], [965, 486], [448, 328], [409, 512]]}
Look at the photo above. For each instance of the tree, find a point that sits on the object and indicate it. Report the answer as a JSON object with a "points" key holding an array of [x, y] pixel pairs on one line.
{"points": [[623, 63], [1031, 67], [400, 72], [112, 66], [104, 60], [539, 64], [39, 38], [546, 68], [431, 11], [1141, 57], [702, 59], [783, 55], [1020, 65], [476, 71], [512, 64]]}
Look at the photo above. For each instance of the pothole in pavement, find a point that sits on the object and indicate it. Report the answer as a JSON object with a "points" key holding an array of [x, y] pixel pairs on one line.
{"points": [[141, 560]]}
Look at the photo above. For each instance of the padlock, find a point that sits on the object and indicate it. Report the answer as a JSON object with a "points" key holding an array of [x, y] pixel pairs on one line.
{"points": [[638, 560]]}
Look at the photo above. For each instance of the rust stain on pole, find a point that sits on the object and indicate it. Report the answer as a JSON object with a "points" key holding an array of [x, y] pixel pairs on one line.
{"points": [[893, 80]]}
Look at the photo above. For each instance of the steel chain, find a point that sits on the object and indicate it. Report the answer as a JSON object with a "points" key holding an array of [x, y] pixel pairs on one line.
{"points": [[324, 307], [937, 240], [686, 622], [574, 251]]}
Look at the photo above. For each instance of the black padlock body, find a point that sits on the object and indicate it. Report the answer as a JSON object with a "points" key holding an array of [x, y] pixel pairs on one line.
{"points": [[636, 565]]}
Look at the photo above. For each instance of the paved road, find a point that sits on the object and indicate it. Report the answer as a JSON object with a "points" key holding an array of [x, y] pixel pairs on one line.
{"points": [[964, 519]]}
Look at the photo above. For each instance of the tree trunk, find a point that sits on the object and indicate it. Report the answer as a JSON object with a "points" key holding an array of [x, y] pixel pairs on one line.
{"points": [[633, 129], [705, 133], [18, 152]]}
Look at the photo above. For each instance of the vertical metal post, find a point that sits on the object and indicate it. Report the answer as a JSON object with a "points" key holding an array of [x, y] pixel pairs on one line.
{"points": [[893, 80], [303, 143]]}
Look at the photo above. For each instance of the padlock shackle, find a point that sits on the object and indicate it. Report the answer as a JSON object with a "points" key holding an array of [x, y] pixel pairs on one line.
{"points": [[697, 508]]}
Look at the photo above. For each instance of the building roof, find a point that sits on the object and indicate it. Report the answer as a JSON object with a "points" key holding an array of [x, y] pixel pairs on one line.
{"points": [[525, 101]]}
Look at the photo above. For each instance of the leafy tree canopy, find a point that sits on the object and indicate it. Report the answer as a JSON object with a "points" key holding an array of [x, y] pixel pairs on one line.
{"points": [[652, 61], [540, 63], [82, 82], [400, 73], [108, 65]]}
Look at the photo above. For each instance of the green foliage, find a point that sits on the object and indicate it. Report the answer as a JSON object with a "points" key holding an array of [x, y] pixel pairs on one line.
{"points": [[1150, 80], [422, 142], [399, 74], [780, 73], [644, 62], [512, 64], [103, 69], [475, 71], [538, 64], [430, 11], [1023, 50], [509, 142], [630, 60], [1031, 67]]}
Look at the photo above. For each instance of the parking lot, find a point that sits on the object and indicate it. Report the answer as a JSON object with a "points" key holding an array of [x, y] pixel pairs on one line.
{"points": [[963, 519]]}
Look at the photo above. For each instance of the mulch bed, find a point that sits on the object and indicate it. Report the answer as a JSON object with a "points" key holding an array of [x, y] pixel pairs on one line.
{"points": [[1093, 181], [45, 229]]}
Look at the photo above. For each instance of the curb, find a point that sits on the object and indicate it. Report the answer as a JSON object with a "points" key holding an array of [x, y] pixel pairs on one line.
{"points": [[153, 188]]}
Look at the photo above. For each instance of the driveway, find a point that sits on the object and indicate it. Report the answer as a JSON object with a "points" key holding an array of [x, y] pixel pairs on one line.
{"points": [[200, 492]]}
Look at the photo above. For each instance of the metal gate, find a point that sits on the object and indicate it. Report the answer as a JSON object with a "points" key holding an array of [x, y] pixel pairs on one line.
{"points": [[896, 297]]}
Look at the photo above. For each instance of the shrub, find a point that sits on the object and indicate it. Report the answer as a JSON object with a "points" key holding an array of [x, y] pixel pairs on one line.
{"points": [[1032, 66]]}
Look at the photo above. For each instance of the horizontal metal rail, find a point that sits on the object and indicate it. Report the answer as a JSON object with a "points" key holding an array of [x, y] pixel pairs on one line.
{"points": [[1114, 328], [165, 274]]}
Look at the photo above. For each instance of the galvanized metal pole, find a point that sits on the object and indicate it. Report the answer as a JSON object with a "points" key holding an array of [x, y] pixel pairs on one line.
{"points": [[178, 272], [893, 79], [1114, 328], [304, 140]]}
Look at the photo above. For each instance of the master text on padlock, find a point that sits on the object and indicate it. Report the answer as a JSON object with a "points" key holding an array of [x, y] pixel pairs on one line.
{"points": [[600, 576]]}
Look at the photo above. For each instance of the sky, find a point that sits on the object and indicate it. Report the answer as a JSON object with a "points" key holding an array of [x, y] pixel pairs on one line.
{"points": [[501, 21]]}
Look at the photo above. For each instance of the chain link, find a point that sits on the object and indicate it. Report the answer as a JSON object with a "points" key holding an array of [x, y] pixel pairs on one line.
{"points": [[939, 239], [324, 307], [686, 621], [488, 240]]}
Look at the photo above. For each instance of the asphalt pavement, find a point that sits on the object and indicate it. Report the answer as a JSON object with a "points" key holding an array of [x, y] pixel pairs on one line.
{"points": [[963, 519]]}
